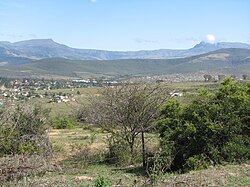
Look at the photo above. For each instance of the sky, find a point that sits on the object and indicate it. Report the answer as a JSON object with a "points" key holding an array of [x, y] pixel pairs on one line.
{"points": [[126, 24]]}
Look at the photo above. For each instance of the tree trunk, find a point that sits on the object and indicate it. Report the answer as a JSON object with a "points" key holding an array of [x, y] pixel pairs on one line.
{"points": [[143, 149], [132, 152]]}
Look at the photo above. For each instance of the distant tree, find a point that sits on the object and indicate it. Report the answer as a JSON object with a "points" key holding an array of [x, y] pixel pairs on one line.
{"points": [[208, 78], [244, 77], [127, 111]]}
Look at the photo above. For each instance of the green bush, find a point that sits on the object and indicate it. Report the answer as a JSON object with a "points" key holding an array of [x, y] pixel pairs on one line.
{"points": [[29, 148], [102, 181], [119, 152], [212, 129], [64, 123], [196, 162], [24, 129]]}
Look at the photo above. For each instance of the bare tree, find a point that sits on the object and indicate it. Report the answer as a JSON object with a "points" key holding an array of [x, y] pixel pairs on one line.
{"points": [[127, 111]]}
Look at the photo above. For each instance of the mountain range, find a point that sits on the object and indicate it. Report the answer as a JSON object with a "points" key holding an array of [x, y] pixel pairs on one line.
{"points": [[226, 61], [36, 49], [46, 58]]}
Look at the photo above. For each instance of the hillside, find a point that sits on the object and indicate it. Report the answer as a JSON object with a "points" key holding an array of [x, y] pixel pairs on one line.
{"points": [[25, 51], [233, 61], [7, 58]]}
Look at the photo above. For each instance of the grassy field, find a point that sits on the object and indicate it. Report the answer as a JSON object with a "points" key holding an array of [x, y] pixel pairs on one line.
{"points": [[62, 109], [73, 146], [69, 108], [76, 172], [79, 153]]}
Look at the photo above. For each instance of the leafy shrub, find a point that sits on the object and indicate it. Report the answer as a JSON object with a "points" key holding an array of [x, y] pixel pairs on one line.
{"points": [[156, 167], [196, 162], [25, 149], [119, 152], [102, 181], [28, 148], [64, 123], [212, 129], [24, 129]]}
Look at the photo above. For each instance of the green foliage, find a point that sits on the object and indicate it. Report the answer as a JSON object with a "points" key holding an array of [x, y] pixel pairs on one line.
{"points": [[196, 162], [156, 167], [64, 123], [213, 129], [119, 151], [29, 148], [24, 129], [102, 181]]}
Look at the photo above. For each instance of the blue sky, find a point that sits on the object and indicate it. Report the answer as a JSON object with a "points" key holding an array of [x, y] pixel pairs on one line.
{"points": [[126, 24]]}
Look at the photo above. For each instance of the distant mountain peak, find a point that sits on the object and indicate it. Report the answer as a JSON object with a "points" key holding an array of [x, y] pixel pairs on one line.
{"points": [[204, 44], [35, 42]]}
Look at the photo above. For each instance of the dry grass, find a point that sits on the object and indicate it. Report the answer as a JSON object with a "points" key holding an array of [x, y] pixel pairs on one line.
{"points": [[74, 172], [230, 175]]}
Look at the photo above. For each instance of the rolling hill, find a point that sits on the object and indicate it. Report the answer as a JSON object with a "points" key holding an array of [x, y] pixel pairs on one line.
{"points": [[232, 61]]}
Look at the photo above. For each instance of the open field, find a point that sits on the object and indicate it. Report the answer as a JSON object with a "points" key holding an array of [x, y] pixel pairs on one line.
{"points": [[80, 153], [75, 171], [60, 109]]}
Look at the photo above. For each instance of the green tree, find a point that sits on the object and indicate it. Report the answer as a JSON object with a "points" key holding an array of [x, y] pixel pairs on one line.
{"points": [[213, 129]]}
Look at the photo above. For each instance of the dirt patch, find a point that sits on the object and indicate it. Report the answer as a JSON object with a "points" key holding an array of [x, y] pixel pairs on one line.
{"points": [[55, 137], [98, 146], [54, 132], [83, 178]]}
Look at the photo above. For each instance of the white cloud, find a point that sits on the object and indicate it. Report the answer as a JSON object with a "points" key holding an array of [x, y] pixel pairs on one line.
{"points": [[210, 38]]}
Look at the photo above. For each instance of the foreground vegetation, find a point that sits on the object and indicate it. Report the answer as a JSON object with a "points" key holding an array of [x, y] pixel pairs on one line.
{"points": [[73, 171], [204, 141]]}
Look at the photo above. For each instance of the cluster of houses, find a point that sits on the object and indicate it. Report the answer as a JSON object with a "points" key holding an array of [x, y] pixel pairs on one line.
{"points": [[25, 89], [95, 82], [61, 98], [11, 96], [35, 84]]}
